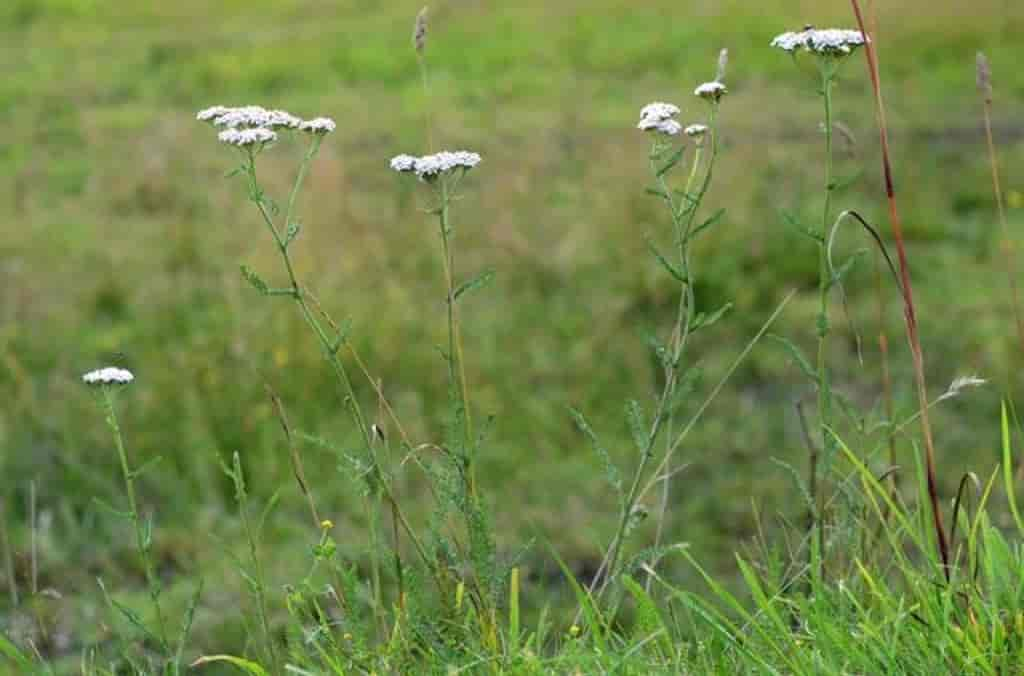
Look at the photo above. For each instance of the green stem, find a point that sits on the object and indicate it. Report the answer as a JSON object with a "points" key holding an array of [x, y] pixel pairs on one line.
{"points": [[326, 343], [824, 281], [259, 584], [141, 539], [682, 220], [456, 364]]}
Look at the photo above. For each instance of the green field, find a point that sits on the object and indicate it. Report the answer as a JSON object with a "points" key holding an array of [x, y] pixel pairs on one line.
{"points": [[123, 238]]}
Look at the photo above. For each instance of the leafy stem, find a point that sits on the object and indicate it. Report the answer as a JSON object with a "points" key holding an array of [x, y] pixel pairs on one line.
{"points": [[143, 535]]}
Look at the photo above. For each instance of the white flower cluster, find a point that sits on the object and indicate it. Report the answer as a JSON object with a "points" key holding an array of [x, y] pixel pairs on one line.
{"points": [[318, 125], [658, 117], [696, 130], [431, 166], [256, 136], [255, 125], [110, 375], [711, 91], [825, 42]]}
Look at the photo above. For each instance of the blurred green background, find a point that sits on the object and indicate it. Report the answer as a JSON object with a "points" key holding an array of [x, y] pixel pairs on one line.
{"points": [[122, 239]]}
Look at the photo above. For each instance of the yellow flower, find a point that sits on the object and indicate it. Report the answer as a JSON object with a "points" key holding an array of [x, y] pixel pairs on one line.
{"points": [[327, 524]]}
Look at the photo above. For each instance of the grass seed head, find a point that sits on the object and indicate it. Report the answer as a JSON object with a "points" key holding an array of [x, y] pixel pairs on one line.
{"points": [[723, 64], [419, 32], [984, 73]]}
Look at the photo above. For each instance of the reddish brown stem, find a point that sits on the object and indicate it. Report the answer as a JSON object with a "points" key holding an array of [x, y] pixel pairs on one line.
{"points": [[908, 295]]}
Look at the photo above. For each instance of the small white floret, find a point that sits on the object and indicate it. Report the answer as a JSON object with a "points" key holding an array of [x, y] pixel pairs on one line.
{"points": [[824, 42], [659, 111], [246, 116], [110, 375], [712, 91], [696, 130], [318, 125], [431, 166], [667, 127], [209, 114], [243, 138], [282, 119], [404, 163]]}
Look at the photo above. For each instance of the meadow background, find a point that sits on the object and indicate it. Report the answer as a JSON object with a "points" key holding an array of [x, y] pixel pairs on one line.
{"points": [[122, 239]]}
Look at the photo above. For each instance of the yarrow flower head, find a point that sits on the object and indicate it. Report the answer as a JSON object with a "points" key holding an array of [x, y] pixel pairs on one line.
{"points": [[404, 163], [244, 138], [696, 130], [711, 91], [110, 375], [833, 42], [243, 117], [429, 167], [318, 125], [256, 125], [211, 113], [667, 127], [658, 117]]}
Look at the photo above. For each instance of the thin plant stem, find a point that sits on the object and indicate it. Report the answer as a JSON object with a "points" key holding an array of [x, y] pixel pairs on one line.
{"points": [[683, 217], [328, 346], [824, 282], [699, 413], [456, 364], [687, 305], [258, 580], [5, 542], [142, 538], [427, 108], [883, 349], [1007, 243], [909, 315]]}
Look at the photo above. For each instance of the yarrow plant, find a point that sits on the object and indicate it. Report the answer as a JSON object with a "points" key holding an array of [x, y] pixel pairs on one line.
{"points": [[108, 381], [443, 172], [830, 47], [284, 229], [683, 205]]}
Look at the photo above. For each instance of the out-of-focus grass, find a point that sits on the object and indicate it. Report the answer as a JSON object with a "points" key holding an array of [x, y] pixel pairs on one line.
{"points": [[121, 236]]}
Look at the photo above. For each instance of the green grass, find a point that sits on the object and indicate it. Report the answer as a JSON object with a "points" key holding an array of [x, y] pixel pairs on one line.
{"points": [[123, 238]]}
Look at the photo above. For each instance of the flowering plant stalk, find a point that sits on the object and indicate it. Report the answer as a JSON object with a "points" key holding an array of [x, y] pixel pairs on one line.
{"points": [[659, 120], [829, 47], [109, 380], [283, 235], [442, 172]]}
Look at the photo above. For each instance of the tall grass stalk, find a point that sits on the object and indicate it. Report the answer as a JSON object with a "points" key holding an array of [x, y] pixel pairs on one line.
{"points": [[984, 79], [909, 314], [143, 530], [419, 43]]}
